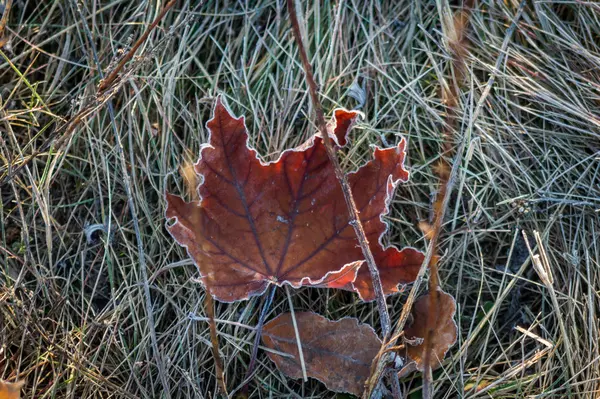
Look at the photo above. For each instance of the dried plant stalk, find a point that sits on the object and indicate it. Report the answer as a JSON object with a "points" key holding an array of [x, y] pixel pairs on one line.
{"points": [[341, 177], [457, 44]]}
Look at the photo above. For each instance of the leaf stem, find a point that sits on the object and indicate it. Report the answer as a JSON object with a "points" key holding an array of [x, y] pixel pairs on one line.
{"points": [[341, 177], [456, 42], [209, 306]]}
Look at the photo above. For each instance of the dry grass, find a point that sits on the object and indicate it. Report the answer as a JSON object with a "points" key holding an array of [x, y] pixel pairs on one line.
{"points": [[73, 308]]}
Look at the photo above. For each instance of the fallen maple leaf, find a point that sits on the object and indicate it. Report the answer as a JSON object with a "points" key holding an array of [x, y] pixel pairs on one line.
{"points": [[286, 221], [10, 390], [445, 333], [337, 353]]}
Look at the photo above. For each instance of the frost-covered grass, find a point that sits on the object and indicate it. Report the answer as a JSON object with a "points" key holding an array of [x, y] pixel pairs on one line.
{"points": [[74, 319]]}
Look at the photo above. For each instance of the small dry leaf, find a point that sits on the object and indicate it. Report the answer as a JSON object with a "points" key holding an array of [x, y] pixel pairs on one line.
{"points": [[337, 353], [445, 335], [427, 229], [190, 178], [458, 36], [10, 390]]}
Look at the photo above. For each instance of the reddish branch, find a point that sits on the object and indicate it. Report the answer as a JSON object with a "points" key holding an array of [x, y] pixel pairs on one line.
{"points": [[341, 176], [209, 306], [458, 47], [112, 76], [446, 174], [3, 22]]}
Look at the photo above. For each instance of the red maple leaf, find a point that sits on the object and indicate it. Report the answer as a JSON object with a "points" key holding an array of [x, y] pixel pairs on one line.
{"points": [[286, 221]]}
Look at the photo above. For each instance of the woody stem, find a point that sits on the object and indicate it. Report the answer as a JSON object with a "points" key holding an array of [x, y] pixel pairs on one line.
{"points": [[341, 177]]}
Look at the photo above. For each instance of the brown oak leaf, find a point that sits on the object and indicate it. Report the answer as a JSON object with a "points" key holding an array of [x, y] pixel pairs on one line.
{"points": [[337, 353], [259, 223], [445, 333]]}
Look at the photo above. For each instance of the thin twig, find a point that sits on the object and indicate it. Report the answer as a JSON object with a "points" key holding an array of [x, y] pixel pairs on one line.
{"points": [[209, 306], [341, 177], [480, 104], [102, 96], [457, 45], [447, 176], [3, 21], [392, 377], [112, 76]]}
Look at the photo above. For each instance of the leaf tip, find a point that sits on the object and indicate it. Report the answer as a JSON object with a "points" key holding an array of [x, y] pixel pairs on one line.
{"points": [[342, 123]]}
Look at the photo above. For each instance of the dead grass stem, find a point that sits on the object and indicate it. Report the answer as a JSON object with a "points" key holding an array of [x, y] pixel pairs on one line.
{"points": [[75, 321]]}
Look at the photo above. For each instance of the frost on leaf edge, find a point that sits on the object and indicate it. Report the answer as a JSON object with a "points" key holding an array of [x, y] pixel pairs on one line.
{"points": [[331, 126]]}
